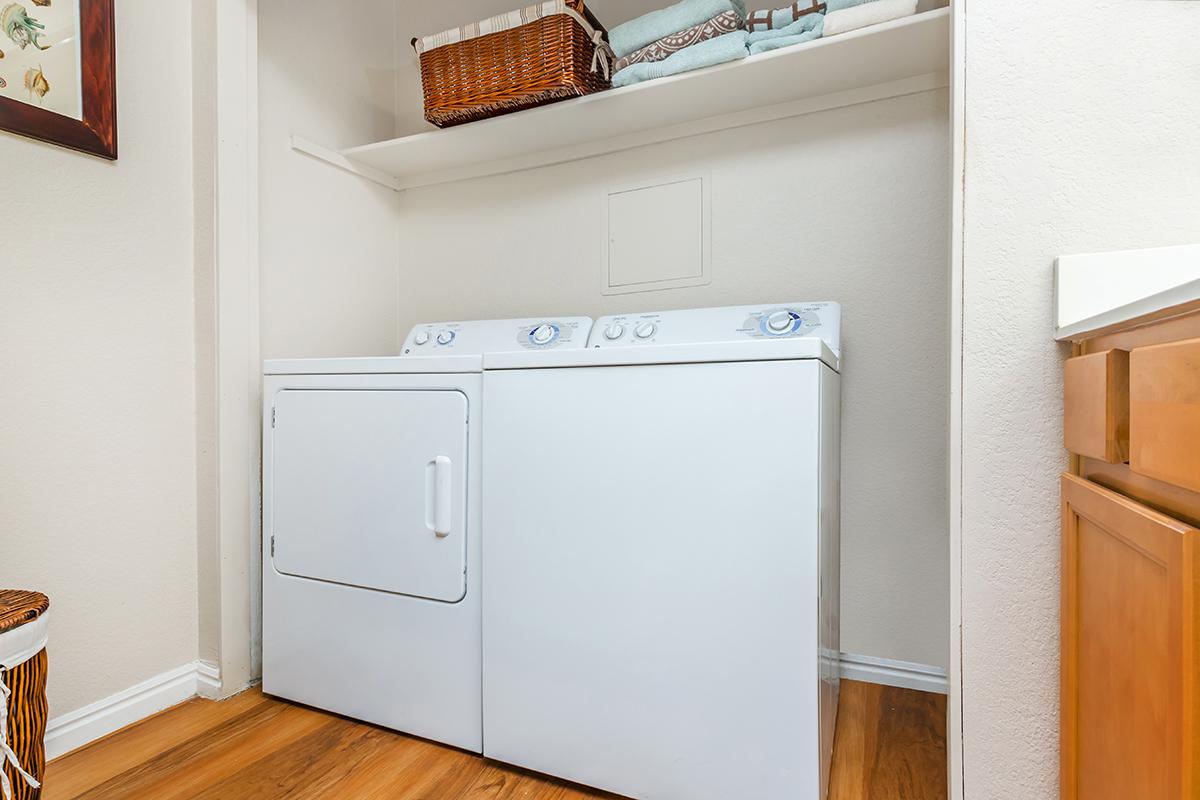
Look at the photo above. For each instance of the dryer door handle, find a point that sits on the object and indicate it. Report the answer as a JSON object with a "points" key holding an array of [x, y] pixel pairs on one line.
{"points": [[439, 495]]}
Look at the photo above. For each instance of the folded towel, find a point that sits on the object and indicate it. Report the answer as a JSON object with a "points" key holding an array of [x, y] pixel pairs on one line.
{"points": [[872, 13], [805, 26], [785, 41], [729, 47], [649, 28], [666, 46], [782, 17], [839, 5]]}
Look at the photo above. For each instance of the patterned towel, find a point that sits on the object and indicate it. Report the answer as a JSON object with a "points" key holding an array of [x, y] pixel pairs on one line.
{"points": [[766, 20], [728, 22], [728, 47], [647, 29]]}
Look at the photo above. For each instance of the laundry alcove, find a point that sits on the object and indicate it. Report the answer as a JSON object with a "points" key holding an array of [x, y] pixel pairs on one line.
{"points": [[829, 169]]}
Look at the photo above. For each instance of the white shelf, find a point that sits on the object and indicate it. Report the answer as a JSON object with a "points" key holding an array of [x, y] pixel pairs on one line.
{"points": [[892, 59]]}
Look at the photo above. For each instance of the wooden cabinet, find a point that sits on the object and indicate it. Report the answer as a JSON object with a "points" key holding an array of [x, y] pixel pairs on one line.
{"points": [[1130, 705], [1164, 427], [1096, 405], [1129, 649]]}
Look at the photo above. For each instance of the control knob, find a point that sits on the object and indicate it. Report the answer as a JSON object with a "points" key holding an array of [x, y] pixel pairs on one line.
{"points": [[421, 338], [544, 334], [645, 330], [445, 337], [780, 322], [614, 331]]}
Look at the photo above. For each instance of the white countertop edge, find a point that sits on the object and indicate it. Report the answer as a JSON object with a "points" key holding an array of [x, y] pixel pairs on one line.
{"points": [[1169, 298], [1094, 292]]}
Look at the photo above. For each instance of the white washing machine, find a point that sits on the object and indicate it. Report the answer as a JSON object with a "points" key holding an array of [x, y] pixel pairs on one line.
{"points": [[661, 590], [371, 520]]}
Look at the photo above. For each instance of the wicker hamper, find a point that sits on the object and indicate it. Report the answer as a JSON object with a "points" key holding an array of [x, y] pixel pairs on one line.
{"points": [[538, 55], [23, 624]]}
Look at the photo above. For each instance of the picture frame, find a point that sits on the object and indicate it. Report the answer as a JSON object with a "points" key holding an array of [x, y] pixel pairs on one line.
{"points": [[90, 126]]}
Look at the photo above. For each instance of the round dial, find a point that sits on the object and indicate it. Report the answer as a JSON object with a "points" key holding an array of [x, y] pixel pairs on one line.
{"points": [[614, 331], [780, 322], [645, 330], [543, 334], [421, 338], [445, 337]]}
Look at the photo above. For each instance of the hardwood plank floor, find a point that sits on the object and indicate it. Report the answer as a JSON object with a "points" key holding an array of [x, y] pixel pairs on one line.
{"points": [[891, 745]]}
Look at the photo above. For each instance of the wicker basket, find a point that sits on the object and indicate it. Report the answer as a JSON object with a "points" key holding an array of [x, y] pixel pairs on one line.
{"points": [[23, 663], [481, 74]]}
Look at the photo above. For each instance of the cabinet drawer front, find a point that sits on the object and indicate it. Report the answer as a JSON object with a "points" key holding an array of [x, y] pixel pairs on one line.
{"points": [[1096, 406], [1164, 402], [1127, 648]]}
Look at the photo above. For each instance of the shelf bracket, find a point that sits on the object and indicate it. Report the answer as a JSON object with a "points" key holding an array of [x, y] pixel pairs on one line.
{"points": [[338, 160]]}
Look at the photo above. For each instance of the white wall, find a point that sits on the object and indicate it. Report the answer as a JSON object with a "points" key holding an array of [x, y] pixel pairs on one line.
{"points": [[97, 407], [1081, 137], [328, 241], [850, 205]]}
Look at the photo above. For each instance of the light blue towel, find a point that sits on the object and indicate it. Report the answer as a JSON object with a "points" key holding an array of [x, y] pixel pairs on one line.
{"points": [[785, 41], [801, 27], [648, 28], [838, 5], [728, 47]]}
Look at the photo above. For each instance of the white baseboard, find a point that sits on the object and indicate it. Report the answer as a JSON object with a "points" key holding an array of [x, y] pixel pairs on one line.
{"points": [[890, 672], [77, 728], [208, 680]]}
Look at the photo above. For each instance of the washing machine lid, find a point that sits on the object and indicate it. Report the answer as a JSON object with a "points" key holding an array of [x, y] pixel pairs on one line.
{"points": [[382, 365], [369, 489], [811, 348]]}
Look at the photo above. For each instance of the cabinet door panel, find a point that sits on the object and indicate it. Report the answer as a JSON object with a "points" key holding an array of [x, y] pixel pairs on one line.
{"points": [[1127, 648], [1096, 406], [1165, 412]]}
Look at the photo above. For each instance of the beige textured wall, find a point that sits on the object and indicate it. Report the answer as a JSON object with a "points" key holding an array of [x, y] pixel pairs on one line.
{"points": [[848, 205], [327, 240], [1081, 136], [97, 421]]}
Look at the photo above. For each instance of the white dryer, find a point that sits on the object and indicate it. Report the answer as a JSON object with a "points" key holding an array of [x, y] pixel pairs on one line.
{"points": [[371, 520], [661, 597]]}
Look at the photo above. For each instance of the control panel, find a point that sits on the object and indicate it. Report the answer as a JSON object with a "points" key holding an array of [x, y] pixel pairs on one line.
{"points": [[730, 324], [476, 337]]}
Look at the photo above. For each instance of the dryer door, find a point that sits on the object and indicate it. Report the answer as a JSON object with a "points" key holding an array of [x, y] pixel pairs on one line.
{"points": [[369, 489]]}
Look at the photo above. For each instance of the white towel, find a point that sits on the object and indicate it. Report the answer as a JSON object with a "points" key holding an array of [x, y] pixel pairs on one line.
{"points": [[873, 13]]}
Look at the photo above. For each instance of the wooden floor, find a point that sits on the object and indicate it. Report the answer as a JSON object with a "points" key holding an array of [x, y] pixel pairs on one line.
{"points": [[890, 746]]}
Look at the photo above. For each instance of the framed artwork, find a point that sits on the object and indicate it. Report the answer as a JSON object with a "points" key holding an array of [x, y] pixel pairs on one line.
{"points": [[58, 73]]}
